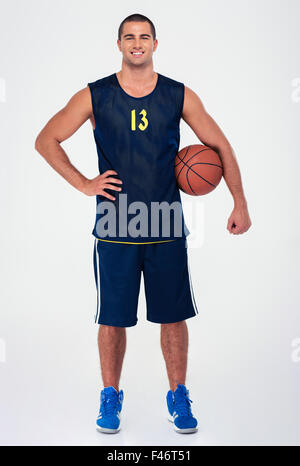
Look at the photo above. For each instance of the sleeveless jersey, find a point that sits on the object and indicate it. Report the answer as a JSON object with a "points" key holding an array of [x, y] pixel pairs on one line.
{"points": [[138, 137]]}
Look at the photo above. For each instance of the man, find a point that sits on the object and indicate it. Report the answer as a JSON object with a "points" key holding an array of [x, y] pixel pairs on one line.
{"points": [[135, 115]]}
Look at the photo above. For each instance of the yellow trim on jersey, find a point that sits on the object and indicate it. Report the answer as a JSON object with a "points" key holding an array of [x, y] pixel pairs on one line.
{"points": [[127, 242]]}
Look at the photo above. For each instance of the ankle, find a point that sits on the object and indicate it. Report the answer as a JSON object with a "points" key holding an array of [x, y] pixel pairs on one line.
{"points": [[173, 386], [116, 387]]}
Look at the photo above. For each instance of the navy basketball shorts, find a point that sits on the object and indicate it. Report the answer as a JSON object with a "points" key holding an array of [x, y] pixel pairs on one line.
{"points": [[168, 288]]}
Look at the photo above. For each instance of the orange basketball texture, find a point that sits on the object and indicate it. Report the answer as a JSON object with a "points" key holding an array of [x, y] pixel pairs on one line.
{"points": [[198, 169]]}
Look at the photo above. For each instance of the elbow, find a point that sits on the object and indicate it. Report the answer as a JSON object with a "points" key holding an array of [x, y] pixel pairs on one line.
{"points": [[41, 143], [38, 144], [44, 142]]}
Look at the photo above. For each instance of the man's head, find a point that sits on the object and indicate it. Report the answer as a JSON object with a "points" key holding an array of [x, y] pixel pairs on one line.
{"points": [[137, 39]]}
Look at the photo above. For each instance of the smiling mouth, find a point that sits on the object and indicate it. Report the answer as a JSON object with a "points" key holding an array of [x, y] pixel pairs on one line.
{"points": [[137, 54]]}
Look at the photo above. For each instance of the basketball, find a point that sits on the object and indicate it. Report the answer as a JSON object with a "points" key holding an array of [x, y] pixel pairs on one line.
{"points": [[198, 169]]}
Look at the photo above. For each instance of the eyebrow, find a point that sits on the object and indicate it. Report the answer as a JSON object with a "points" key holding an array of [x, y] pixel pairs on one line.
{"points": [[132, 35]]}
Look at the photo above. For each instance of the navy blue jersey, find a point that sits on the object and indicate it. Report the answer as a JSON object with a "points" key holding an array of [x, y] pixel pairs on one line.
{"points": [[138, 137]]}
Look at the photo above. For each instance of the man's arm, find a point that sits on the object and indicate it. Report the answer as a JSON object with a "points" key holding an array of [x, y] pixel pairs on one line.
{"points": [[59, 128], [209, 133]]}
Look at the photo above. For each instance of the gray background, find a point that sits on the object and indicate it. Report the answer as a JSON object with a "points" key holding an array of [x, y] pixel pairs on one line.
{"points": [[242, 58]]}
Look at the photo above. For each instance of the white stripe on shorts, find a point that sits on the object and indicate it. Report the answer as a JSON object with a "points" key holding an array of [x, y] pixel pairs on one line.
{"points": [[190, 280], [98, 282]]}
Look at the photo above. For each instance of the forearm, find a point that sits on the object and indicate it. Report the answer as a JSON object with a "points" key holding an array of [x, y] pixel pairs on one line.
{"points": [[57, 158], [232, 174]]}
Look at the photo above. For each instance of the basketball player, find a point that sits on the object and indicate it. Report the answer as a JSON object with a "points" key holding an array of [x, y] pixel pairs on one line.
{"points": [[135, 115]]}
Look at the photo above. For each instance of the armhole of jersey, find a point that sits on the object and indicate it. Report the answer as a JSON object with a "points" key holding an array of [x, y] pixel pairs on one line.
{"points": [[90, 85], [181, 102]]}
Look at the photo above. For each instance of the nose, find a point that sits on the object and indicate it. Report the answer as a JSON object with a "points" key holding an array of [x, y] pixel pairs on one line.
{"points": [[137, 44]]}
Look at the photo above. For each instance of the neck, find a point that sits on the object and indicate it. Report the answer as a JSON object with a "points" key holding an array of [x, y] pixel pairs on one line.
{"points": [[140, 76]]}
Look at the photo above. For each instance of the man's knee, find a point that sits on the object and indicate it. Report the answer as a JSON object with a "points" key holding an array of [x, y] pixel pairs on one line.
{"points": [[173, 324], [112, 328]]}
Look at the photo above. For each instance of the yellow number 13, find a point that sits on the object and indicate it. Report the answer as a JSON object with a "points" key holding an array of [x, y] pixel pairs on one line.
{"points": [[141, 126]]}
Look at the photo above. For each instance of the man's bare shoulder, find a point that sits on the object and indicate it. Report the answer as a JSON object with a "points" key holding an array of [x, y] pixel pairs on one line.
{"points": [[69, 119], [192, 104], [190, 96], [81, 99], [80, 104]]}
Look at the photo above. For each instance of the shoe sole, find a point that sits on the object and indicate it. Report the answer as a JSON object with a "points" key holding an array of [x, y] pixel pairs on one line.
{"points": [[189, 430], [104, 430]]}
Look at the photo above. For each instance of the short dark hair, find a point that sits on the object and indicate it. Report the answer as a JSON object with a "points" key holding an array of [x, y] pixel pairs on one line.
{"points": [[139, 18]]}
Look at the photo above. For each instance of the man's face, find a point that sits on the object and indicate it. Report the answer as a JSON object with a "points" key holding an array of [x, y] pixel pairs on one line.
{"points": [[136, 44]]}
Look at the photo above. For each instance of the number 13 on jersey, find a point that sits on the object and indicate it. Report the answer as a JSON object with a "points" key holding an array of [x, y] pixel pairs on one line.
{"points": [[141, 126]]}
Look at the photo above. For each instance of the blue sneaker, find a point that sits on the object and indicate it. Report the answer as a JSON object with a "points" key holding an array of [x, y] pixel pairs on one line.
{"points": [[179, 406], [108, 420]]}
